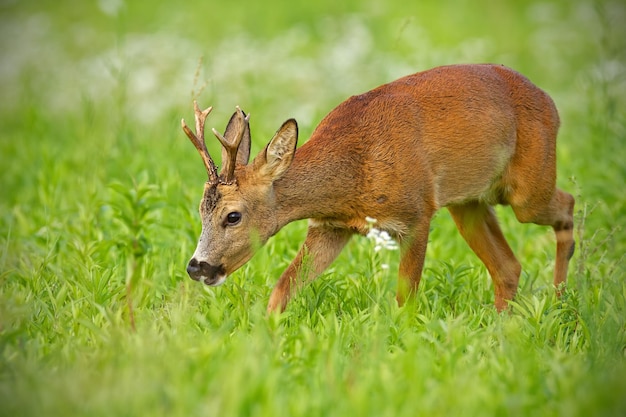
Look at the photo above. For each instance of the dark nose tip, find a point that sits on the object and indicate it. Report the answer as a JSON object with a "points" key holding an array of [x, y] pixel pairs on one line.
{"points": [[202, 270], [193, 269]]}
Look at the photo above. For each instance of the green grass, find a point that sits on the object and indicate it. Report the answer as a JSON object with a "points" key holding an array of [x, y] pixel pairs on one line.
{"points": [[99, 189]]}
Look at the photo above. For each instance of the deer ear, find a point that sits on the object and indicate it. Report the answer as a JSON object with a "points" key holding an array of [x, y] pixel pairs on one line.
{"points": [[280, 151]]}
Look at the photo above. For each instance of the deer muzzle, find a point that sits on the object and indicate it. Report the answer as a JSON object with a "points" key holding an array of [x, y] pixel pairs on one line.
{"points": [[205, 272]]}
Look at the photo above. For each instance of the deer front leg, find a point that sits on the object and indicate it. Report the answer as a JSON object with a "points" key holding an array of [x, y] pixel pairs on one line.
{"points": [[321, 247], [413, 252]]}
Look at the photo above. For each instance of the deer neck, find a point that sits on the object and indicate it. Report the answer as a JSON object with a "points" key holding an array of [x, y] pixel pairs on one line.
{"points": [[314, 186]]}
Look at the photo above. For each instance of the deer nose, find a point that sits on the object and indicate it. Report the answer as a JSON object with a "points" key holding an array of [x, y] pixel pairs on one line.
{"points": [[203, 271]]}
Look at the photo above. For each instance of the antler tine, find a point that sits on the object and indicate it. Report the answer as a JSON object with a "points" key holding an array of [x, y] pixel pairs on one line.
{"points": [[232, 146], [198, 139]]}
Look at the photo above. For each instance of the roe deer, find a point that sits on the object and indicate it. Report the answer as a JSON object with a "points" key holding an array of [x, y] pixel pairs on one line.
{"points": [[464, 137]]}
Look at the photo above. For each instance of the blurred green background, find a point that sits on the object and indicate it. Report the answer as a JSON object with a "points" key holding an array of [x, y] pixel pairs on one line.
{"points": [[99, 189]]}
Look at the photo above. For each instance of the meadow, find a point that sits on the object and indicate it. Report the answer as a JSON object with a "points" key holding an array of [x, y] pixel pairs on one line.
{"points": [[99, 190]]}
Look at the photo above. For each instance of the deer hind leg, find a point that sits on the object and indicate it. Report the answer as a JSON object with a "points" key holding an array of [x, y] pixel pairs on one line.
{"points": [[479, 227], [321, 247], [558, 213]]}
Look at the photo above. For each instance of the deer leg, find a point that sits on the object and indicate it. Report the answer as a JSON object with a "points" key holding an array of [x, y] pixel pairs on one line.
{"points": [[479, 227], [558, 213], [413, 252], [321, 247]]}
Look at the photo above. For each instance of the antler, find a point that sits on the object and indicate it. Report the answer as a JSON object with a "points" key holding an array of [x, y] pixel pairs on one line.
{"points": [[198, 140], [231, 145]]}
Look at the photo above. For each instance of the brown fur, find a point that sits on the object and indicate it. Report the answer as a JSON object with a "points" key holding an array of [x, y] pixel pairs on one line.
{"points": [[464, 137]]}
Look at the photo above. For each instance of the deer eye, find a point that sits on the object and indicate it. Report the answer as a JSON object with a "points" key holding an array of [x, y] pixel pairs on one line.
{"points": [[232, 218]]}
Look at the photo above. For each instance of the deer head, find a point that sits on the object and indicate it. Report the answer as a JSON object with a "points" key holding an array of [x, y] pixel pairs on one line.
{"points": [[237, 207]]}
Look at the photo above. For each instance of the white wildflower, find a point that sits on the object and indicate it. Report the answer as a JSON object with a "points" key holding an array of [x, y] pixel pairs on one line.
{"points": [[370, 220], [382, 240]]}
